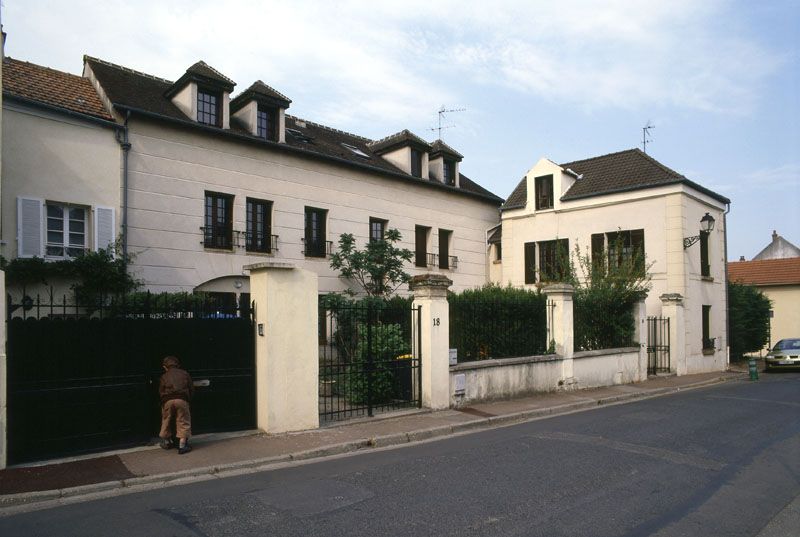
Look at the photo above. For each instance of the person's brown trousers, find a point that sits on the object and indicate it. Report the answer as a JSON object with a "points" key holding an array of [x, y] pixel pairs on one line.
{"points": [[179, 410]]}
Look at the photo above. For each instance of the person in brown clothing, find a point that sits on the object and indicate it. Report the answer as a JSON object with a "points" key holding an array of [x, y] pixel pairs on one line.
{"points": [[176, 390]]}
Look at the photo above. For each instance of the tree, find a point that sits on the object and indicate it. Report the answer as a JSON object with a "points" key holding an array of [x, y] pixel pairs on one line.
{"points": [[748, 315], [378, 268]]}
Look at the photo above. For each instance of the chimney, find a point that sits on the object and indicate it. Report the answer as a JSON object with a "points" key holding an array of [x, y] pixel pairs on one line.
{"points": [[774, 235], [741, 258]]}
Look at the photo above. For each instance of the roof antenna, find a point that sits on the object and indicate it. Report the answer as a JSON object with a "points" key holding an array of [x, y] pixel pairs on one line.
{"points": [[646, 138], [442, 112]]}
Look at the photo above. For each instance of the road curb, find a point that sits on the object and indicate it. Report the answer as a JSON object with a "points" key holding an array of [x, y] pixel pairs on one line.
{"points": [[22, 499]]}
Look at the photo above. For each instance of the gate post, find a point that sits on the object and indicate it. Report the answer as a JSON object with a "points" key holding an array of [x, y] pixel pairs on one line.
{"points": [[672, 307], [640, 334], [3, 376], [432, 333], [560, 328], [287, 355]]}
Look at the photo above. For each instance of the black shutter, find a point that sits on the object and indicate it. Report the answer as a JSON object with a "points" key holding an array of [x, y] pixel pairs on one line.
{"points": [[421, 246], [598, 246], [444, 249], [705, 268], [530, 262]]}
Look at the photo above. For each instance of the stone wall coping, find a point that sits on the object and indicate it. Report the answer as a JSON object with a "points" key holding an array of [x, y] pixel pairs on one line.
{"points": [[672, 297], [558, 288], [502, 362], [269, 265], [430, 280], [605, 352]]}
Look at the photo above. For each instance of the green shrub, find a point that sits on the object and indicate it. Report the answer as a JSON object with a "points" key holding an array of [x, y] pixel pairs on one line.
{"points": [[375, 362], [748, 311], [497, 322]]}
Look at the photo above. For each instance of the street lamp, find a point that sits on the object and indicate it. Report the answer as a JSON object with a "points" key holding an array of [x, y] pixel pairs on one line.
{"points": [[706, 227]]}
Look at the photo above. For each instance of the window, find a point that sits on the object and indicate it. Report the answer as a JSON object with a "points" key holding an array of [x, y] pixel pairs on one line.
{"points": [[315, 243], [705, 267], [553, 260], [598, 250], [444, 248], [66, 231], [530, 262], [498, 251], [377, 228], [449, 172], [624, 247], [208, 107], [544, 192], [416, 162], [259, 226], [421, 250], [267, 124], [218, 230], [708, 341]]}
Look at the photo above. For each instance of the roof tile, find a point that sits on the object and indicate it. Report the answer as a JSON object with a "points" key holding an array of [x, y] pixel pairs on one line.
{"points": [[767, 272]]}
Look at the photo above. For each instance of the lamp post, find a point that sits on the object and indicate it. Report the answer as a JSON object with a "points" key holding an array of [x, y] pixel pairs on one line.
{"points": [[706, 227]]}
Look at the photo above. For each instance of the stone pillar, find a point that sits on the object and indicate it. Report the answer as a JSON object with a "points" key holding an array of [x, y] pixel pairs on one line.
{"points": [[672, 307], [640, 334], [560, 326], [287, 352], [3, 376], [430, 293]]}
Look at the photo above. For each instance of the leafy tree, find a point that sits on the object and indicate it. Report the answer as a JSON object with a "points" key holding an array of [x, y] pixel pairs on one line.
{"points": [[377, 268], [748, 315]]}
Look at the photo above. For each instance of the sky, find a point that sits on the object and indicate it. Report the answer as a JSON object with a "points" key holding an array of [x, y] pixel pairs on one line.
{"points": [[565, 80]]}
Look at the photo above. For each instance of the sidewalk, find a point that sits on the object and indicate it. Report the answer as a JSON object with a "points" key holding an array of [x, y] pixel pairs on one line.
{"points": [[220, 454]]}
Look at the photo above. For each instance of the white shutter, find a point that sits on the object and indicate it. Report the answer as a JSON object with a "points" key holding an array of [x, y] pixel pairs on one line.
{"points": [[104, 229], [30, 227]]}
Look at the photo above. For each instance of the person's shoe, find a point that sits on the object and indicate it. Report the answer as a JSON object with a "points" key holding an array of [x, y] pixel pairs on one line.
{"points": [[185, 449], [166, 443]]}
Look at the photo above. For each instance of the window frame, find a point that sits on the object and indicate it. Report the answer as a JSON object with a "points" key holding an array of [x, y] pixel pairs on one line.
{"points": [[204, 116], [269, 129], [66, 245], [449, 171], [377, 224], [542, 201], [445, 236], [316, 233], [416, 162], [550, 269], [254, 228], [421, 247], [632, 246], [218, 221]]}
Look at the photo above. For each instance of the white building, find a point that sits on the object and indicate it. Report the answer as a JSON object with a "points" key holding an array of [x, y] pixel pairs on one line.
{"points": [[630, 196]]}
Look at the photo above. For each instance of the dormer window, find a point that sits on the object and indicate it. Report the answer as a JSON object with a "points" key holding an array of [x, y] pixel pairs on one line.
{"points": [[544, 192], [449, 171], [267, 124], [208, 107], [416, 162]]}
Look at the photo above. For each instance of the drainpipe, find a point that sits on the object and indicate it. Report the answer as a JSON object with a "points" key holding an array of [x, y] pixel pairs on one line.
{"points": [[727, 308], [125, 145]]}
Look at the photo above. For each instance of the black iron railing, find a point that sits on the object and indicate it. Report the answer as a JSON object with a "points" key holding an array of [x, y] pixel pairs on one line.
{"points": [[219, 237], [709, 343], [432, 260], [658, 345], [261, 243], [317, 248]]}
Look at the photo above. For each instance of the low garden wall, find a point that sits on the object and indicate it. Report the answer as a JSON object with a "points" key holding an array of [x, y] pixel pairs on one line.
{"points": [[504, 378], [606, 367]]}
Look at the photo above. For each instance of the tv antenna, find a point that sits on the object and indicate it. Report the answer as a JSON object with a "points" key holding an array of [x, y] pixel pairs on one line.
{"points": [[442, 112], [646, 138]]}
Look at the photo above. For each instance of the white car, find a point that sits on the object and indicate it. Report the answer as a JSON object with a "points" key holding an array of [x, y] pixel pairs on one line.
{"points": [[785, 353]]}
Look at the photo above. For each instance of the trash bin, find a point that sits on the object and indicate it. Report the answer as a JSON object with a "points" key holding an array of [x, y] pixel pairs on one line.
{"points": [[753, 368]]}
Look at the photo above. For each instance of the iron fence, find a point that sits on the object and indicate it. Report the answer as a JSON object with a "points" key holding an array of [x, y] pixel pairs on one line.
{"points": [[483, 328], [369, 359], [658, 345]]}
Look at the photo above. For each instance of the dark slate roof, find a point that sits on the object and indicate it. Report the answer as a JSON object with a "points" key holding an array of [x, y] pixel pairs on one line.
{"points": [[519, 197], [626, 170], [204, 70], [204, 74], [779, 248], [608, 174], [31, 82], [438, 146], [260, 92], [144, 94], [400, 139]]}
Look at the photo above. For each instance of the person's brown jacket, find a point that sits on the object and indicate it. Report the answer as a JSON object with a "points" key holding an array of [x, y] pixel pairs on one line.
{"points": [[175, 384]]}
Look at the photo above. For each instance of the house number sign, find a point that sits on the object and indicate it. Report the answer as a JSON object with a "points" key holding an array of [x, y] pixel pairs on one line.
{"points": [[436, 321]]}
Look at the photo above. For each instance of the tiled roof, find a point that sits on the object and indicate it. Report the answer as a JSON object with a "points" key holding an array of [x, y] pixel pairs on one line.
{"points": [[259, 89], [143, 93], [616, 172], [54, 88], [438, 146], [404, 137], [767, 272]]}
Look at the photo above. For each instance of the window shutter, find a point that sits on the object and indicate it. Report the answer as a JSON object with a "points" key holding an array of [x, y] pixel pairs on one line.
{"points": [[104, 229], [30, 227], [530, 262]]}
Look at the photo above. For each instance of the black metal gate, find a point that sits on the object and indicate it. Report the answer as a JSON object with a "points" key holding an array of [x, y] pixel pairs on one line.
{"points": [[658, 345], [369, 359], [85, 378]]}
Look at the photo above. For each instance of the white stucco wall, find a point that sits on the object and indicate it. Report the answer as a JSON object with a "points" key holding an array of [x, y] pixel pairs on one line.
{"points": [[55, 158], [606, 367], [171, 168], [785, 321]]}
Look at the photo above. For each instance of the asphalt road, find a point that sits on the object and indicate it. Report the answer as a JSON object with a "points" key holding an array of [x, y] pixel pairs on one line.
{"points": [[723, 460]]}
